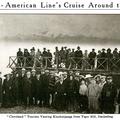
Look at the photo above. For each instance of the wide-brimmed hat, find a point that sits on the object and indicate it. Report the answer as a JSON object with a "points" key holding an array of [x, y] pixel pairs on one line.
{"points": [[88, 76]]}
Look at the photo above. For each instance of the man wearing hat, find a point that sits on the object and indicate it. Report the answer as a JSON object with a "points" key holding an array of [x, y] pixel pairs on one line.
{"points": [[33, 79], [103, 60], [78, 57], [92, 56], [109, 56], [115, 53], [27, 88], [20, 58], [44, 55], [6, 90], [108, 95], [45, 83], [21, 78]]}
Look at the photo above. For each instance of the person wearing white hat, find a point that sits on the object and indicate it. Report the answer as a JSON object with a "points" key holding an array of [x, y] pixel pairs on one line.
{"points": [[88, 78]]}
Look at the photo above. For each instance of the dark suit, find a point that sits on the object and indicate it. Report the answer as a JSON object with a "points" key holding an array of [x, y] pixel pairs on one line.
{"points": [[108, 95]]}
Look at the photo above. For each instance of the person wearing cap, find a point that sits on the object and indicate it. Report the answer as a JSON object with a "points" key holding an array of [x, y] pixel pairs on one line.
{"points": [[108, 96], [27, 88], [93, 96], [92, 56], [72, 58], [78, 57]]}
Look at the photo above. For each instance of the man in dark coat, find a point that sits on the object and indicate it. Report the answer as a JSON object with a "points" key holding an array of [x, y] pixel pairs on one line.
{"points": [[72, 92], [14, 89], [20, 58], [109, 57], [44, 55], [45, 83], [38, 93], [60, 94], [27, 88], [49, 59], [33, 79], [26, 58], [78, 57], [108, 96], [103, 59], [21, 78], [92, 56], [6, 90]]}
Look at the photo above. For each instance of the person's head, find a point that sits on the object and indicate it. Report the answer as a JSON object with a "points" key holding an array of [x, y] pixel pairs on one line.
{"points": [[103, 50], [47, 72], [116, 49], [109, 79], [71, 77], [38, 75], [99, 52], [8, 76], [93, 50], [93, 81], [82, 82], [43, 71], [33, 72], [108, 50], [103, 78], [28, 74], [78, 48], [19, 49], [48, 50], [44, 49], [73, 50], [17, 75], [23, 71]]}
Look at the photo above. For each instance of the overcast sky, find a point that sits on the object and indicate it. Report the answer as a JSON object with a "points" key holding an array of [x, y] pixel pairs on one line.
{"points": [[103, 27]]}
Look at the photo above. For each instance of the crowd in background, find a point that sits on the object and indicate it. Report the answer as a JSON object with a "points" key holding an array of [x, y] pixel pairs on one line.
{"points": [[60, 90], [70, 58]]}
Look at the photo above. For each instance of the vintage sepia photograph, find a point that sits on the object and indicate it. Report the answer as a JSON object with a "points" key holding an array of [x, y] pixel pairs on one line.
{"points": [[60, 64]]}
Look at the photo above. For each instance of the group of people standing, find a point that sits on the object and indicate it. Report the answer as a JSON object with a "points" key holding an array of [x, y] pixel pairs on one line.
{"points": [[104, 59], [61, 90]]}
